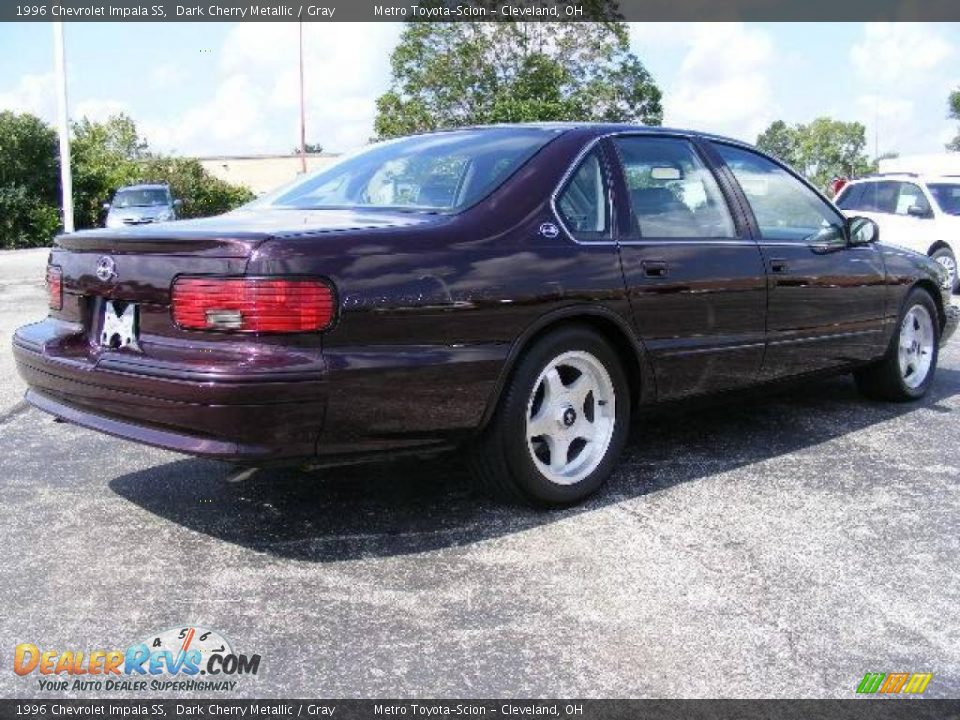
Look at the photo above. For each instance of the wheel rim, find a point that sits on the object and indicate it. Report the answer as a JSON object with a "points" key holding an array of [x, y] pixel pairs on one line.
{"points": [[951, 267], [916, 346], [571, 416]]}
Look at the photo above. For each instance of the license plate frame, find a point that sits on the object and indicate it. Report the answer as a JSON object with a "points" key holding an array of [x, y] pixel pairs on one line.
{"points": [[119, 325]]}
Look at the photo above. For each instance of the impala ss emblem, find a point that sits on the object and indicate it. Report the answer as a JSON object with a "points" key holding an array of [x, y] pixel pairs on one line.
{"points": [[106, 268]]}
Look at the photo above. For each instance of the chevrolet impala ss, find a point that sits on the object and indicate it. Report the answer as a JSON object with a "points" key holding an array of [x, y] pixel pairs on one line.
{"points": [[514, 291]]}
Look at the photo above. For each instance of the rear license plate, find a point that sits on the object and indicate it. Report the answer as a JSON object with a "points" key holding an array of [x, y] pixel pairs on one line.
{"points": [[119, 325]]}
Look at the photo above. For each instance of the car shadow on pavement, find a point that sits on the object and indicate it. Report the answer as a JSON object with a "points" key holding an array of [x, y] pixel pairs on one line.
{"points": [[412, 506]]}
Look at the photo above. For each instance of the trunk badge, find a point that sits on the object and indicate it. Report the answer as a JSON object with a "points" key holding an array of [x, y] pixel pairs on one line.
{"points": [[106, 268]]}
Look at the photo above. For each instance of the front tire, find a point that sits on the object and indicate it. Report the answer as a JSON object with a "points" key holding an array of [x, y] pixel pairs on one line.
{"points": [[561, 424], [906, 370]]}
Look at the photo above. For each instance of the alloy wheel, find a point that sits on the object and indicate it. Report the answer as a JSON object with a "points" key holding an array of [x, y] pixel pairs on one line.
{"points": [[915, 353], [950, 265], [571, 415]]}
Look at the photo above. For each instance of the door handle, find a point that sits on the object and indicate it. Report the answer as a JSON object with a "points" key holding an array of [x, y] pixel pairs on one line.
{"points": [[654, 268], [778, 266]]}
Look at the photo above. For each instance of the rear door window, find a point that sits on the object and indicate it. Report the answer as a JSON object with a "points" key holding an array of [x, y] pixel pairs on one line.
{"points": [[673, 194], [882, 197], [911, 196]]}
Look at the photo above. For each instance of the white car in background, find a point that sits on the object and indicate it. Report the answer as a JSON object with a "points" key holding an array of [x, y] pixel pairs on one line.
{"points": [[918, 212]]}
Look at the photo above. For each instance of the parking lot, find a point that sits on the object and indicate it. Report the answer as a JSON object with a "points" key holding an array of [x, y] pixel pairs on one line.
{"points": [[776, 546]]}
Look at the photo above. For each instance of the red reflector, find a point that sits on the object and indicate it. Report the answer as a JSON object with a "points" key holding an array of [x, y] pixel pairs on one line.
{"points": [[54, 287], [252, 304]]}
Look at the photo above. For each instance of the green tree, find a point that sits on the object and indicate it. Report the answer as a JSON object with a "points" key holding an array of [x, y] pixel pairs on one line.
{"points": [[953, 103], [106, 156], [29, 181], [103, 156], [111, 154], [202, 193], [465, 73], [780, 140], [820, 150]]}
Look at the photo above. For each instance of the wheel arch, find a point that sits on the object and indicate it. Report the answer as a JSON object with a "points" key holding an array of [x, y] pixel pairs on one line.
{"points": [[939, 245], [613, 327], [934, 291]]}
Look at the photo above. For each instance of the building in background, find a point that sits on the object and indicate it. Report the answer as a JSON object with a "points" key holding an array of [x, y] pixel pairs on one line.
{"points": [[262, 173]]}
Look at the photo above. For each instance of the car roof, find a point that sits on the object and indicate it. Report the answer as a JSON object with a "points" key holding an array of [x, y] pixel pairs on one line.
{"points": [[145, 186], [907, 177], [604, 128]]}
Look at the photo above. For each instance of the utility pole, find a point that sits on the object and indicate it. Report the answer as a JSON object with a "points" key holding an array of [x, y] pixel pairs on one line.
{"points": [[303, 114], [66, 175]]}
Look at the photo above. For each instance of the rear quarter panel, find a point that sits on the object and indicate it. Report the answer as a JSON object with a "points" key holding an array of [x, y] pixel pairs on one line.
{"points": [[428, 315]]}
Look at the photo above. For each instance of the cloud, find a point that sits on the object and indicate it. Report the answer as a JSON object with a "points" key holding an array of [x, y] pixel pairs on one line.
{"points": [[34, 93], [233, 119], [166, 75], [889, 120], [256, 107], [723, 82], [905, 71], [900, 54], [98, 110]]}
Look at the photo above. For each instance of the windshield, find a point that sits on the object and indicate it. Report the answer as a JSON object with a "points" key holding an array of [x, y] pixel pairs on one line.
{"points": [[140, 198], [440, 172], [947, 196]]}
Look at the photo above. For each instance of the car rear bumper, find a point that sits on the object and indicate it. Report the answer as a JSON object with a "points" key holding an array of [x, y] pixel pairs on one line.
{"points": [[345, 402], [260, 419]]}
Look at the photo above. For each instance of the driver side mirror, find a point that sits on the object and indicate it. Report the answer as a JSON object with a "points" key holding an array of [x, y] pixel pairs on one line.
{"points": [[178, 203], [862, 231], [106, 206], [918, 211]]}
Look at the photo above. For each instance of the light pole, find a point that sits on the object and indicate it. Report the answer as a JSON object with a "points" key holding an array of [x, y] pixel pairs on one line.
{"points": [[66, 175], [303, 115]]}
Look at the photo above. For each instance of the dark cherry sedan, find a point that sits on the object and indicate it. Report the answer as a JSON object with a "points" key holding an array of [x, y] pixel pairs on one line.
{"points": [[516, 291]]}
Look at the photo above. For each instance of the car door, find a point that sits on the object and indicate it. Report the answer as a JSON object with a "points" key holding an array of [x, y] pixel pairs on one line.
{"points": [[913, 218], [877, 200], [825, 295], [694, 276]]}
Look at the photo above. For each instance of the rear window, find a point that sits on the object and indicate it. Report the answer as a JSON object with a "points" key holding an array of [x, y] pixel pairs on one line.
{"points": [[947, 196], [439, 172]]}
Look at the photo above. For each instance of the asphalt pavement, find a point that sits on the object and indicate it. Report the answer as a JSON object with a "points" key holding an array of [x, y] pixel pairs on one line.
{"points": [[778, 545]]}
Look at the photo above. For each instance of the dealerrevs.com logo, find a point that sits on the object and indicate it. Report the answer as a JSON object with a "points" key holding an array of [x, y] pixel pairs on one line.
{"points": [[179, 659]]}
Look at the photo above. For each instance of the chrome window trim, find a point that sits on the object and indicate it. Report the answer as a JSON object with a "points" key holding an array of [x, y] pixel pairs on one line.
{"points": [[565, 178], [574, 166]]}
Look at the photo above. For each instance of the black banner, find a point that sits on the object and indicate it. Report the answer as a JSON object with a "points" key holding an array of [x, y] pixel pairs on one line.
{"points": [[476, 10], [890, 709]]}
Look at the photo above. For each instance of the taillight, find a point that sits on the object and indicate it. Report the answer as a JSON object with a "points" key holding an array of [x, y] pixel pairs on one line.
{"points": [[252, 304], [54, 287]]}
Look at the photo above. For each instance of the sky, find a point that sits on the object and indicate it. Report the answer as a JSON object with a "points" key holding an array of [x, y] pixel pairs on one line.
{"points": [[232, 88]]}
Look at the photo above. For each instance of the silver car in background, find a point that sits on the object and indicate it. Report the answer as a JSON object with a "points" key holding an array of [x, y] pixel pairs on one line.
{"points": [[140, 205]]}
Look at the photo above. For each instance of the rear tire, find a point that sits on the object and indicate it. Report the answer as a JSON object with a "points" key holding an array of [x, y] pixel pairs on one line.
{"points": [[561, 423], [946, 258], [906, 370]]}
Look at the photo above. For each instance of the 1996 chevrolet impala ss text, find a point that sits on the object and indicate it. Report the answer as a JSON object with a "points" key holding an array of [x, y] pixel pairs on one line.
{"points": [[517, 290]]}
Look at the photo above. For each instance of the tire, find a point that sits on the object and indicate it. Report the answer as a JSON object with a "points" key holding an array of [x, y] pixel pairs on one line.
{"points": [[945, 257], [571, 385], [906, 370]]}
